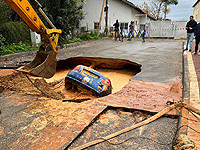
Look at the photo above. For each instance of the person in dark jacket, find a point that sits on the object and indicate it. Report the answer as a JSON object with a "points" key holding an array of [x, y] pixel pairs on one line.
{"points": [[116, 25], [190, 27], [197, 38], [131, 29]]}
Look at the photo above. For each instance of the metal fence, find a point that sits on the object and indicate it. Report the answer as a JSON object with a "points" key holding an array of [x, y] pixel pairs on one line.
{"points": [[170, 29]]}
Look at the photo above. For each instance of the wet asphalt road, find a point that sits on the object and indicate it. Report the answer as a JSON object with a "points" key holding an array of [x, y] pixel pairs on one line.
{"points": [[160, 58], [161, 61]]}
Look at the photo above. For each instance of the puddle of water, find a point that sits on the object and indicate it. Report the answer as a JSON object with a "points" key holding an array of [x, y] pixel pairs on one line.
{"points": [[119, 78], [58, 75]]}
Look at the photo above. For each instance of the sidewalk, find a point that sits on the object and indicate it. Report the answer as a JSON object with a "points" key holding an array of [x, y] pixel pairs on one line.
{"points": [[192, 122]]}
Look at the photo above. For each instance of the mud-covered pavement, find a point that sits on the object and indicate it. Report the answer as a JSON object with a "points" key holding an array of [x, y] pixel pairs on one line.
{"points": [[29, 121]]}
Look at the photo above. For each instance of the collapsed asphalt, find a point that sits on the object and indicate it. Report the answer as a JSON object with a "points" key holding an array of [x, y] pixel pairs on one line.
{"points": [[161, 62]]}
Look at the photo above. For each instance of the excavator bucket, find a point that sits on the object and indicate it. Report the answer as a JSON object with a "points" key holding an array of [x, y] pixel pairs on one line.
{"points": [[44, 64]]}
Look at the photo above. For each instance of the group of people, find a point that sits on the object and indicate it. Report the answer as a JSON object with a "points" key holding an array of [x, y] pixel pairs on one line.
{"points": [[193, 29], [131, 31]]}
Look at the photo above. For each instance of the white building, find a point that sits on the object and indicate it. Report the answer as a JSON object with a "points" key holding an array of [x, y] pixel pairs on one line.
{"points": [[122, 10]]}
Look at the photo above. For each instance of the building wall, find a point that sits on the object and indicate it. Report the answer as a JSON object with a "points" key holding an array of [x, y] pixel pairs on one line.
{"points": [[196, 10], [92, 14], [117, 10]]}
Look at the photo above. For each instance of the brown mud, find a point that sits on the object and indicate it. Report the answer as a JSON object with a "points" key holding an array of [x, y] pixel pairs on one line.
{"points": [[18, 82], [15, 81]]}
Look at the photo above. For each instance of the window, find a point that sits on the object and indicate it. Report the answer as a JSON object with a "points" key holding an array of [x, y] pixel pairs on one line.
{"points": [[91, 74], [83, 29], [96, 25], [142, 26], [124, 25]]}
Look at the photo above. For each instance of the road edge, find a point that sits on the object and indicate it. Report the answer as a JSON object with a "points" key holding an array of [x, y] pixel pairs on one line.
{"points": [[182, 122], [190, 93]]}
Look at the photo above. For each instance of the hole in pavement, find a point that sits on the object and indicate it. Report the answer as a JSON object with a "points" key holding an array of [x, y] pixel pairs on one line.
{"points": [[119, 71]]}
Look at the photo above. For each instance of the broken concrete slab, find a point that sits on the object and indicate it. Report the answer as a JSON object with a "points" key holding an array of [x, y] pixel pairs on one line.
{"points": [[147, 96]]}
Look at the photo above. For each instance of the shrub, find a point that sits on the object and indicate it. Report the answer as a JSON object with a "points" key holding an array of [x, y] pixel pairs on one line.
{"points": [[15, 48], [14, 32], [74, 40], [90, 36]]}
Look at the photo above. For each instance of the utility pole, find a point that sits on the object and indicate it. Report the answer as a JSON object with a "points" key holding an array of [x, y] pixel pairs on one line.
{"points": [[101, 17], [106, 18]]}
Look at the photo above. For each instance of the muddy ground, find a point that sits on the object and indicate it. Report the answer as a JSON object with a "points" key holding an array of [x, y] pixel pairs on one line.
{"points": [[29, 120]]}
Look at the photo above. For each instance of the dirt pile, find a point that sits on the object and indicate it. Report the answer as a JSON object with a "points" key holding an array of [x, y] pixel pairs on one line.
{"points": [[18, 82]]}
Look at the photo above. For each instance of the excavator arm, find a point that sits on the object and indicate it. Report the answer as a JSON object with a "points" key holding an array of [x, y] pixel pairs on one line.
{"points": [[44, 64]]}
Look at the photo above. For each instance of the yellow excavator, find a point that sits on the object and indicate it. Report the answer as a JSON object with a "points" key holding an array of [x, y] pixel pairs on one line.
{"points": [[44, 63]]}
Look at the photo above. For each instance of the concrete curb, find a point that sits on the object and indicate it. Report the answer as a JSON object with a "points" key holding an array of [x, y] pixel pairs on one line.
{"points": [[186, 93], [185, 97], [190, 95]]}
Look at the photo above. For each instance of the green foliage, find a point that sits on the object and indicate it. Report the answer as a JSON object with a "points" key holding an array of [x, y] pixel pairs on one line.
{"points": [[15, 48], [15, 32], [5, 12], [73, 40], [168, 2], [11, 27], [86, 37], [83, 37], [65, 14], [2, 40], [91, 36], [155, 7]]}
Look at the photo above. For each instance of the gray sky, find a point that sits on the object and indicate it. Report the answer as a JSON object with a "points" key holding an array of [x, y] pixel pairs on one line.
{"points": [[182, 11]]}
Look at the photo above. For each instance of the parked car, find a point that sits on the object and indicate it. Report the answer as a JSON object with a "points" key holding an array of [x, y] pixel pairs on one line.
{"points": [[89, 79]]}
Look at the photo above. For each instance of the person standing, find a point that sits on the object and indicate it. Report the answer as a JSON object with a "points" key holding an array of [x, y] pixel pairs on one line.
{"points": [[116, 25], [197, 38], [121, 33], [143, 36], [190, 27], [131, 28]]}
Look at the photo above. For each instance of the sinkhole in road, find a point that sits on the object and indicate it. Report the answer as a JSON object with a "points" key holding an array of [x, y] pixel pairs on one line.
{"points": [[119, 71]]}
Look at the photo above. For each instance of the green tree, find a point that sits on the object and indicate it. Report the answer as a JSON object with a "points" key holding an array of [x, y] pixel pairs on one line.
{"points": [[159, 4], [5, 12], [166, 3], [155, 7], [12, 28], [65, 14]]}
